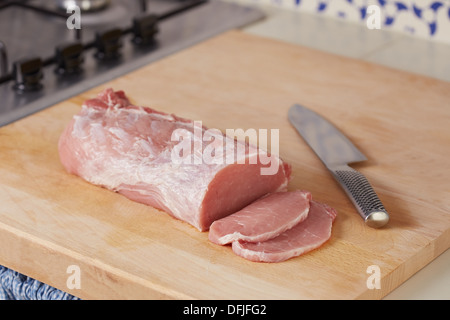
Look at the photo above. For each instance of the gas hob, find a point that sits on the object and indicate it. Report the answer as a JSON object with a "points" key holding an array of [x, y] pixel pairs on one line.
{"points": [[45, 58]]}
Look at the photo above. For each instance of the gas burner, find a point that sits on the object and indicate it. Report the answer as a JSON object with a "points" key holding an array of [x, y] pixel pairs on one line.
{"points": [[84, 5], [115, 11]]}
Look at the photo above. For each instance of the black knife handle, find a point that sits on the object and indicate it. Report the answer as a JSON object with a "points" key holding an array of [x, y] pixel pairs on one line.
{"points": [[362, 194]]}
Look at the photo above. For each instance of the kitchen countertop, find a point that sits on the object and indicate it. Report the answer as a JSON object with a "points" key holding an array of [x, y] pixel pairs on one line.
{"points": [[383, 47]]}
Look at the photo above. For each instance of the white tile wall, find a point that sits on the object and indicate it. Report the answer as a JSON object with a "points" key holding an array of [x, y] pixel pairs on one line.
{"points": [[400, 50], [428, 19]]}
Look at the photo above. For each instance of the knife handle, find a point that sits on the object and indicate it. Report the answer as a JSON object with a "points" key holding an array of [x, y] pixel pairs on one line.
{"points": [[362, 194]]}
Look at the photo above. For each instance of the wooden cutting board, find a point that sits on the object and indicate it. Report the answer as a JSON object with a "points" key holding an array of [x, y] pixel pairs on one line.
{"points": [[51, 221]]}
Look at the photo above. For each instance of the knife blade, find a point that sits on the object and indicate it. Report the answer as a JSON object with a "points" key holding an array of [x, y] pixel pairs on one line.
{"points": [[336, 152]]}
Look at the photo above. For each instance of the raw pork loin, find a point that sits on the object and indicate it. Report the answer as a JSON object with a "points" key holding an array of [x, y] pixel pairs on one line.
{"points": [[262, 220], [304, 237], [128, 149]]}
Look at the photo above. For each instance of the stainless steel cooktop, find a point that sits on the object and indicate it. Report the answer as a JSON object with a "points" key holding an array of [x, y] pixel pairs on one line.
{"points": [[43, 62]]}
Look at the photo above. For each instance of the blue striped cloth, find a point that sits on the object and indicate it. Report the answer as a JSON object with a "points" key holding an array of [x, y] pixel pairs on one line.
{"points": [[16, 286]]}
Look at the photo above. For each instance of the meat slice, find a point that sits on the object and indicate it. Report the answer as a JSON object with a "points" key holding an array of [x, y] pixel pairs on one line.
{"points": [[304, 237], [135, 151], [262, 220]]}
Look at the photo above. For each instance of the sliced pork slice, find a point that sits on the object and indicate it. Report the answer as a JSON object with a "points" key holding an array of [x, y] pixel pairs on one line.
{"points": [[132, 150], [304, 237], [262, 220]]}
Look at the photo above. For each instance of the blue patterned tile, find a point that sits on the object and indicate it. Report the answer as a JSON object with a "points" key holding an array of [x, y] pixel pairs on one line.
{"points": [[423, 18]]}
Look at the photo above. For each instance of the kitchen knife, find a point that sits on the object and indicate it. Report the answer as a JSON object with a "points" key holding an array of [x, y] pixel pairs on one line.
{"points": [[336, 152]]}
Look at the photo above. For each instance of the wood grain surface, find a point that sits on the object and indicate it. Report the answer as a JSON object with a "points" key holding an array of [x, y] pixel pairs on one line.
{"points": [[50, 220]]}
